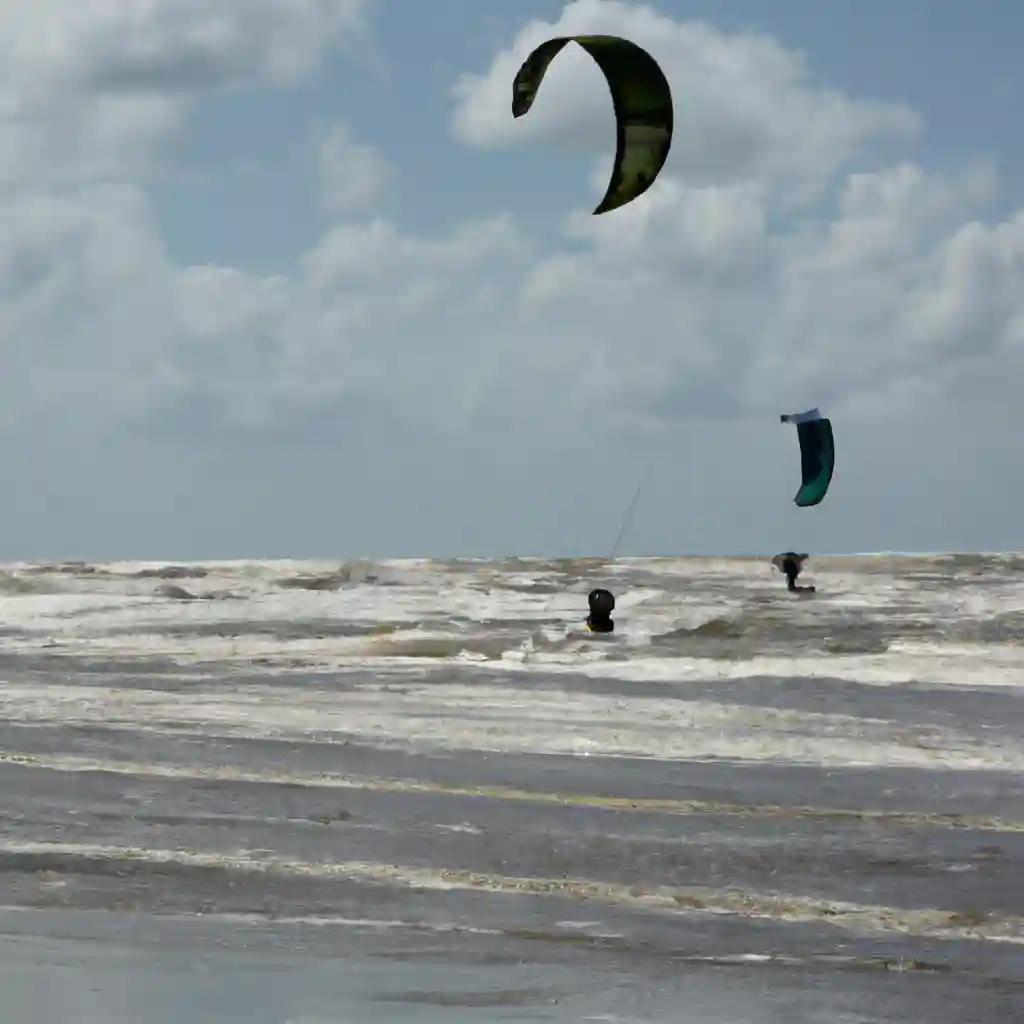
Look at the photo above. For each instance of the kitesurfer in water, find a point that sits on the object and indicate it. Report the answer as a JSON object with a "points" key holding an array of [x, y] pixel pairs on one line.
{"points": [[792, 570], [602, 604], [791, 565]]}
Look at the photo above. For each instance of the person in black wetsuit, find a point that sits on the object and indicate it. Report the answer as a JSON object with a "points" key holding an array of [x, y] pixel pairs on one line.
{"points": [[602, 604], [791, 564], [791, 567]]}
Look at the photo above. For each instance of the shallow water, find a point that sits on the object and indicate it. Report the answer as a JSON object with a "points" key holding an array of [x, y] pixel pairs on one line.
{"points": [[398, 788]]}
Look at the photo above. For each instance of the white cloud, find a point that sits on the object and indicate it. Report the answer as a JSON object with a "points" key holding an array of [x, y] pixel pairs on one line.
{"points": [[85, 303], [92, 89], [731, 286], [723, 292], [372, 317], [747, 109], [353, 174]]}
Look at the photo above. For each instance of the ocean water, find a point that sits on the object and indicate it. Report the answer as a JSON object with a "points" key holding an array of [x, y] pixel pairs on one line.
{"points": [[415, 790]]}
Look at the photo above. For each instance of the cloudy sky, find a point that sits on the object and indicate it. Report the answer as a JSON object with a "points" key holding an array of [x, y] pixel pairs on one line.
{"points": [[285, 278]]}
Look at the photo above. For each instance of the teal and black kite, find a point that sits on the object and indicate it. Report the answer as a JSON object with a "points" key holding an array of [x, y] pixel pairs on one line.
{"points": [[817, 455]]}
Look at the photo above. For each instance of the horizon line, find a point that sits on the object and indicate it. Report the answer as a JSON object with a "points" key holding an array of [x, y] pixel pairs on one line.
{"points": [[345, 559]]}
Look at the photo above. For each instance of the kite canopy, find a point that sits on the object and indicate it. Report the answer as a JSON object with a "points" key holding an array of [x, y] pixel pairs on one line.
{"points": [[643, 108], [817, 455]]}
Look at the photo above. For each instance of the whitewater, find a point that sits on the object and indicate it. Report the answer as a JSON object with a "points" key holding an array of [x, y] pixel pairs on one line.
{"points": [[428, 779]]}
